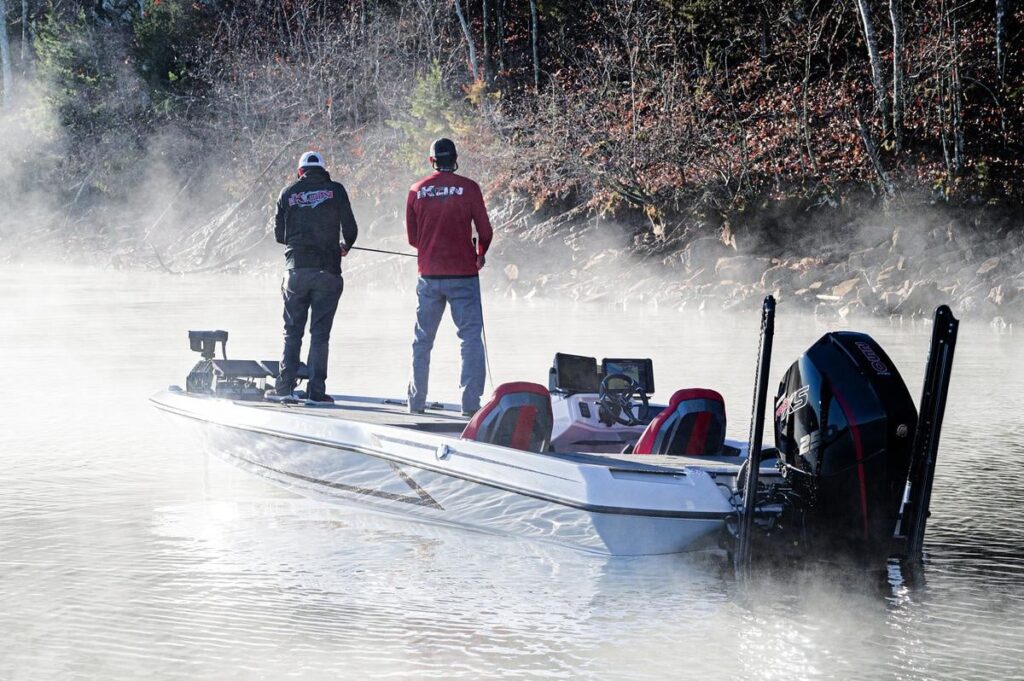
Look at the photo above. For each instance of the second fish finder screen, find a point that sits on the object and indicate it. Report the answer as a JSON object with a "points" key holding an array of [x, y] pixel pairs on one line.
{"points": [[640, 370]]}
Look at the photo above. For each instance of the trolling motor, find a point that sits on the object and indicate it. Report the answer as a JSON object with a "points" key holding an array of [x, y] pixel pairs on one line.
{"points": [[856, 460], [202, 379], [240, 379], [205, 343]]}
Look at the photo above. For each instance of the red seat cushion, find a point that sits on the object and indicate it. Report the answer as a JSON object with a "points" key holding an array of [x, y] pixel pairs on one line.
{"points": [[692, 424], [518, 415]]}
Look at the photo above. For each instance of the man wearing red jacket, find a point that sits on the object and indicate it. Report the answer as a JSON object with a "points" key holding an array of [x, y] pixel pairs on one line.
{"points": [[440, 214]]}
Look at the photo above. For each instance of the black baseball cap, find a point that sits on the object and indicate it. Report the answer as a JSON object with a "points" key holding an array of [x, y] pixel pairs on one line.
{"points": [[443, 151]]}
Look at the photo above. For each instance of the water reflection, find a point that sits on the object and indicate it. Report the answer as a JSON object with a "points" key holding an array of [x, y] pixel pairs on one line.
{"points": [[123, 553]]}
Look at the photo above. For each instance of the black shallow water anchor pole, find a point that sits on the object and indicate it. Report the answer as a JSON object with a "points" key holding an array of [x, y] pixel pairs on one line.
{"points": [[742, 556], [926, 439]]}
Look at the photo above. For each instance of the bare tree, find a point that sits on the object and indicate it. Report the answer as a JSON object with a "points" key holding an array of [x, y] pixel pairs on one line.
{"points": [[813, 38], [956, 93], [1000, 38], [469, 39], [5, 56], [534, 30], [876, 162], [500, 21], [488, 44], [431, 43], [881, 101], [24, 30], [896, 14], [949, 93]]}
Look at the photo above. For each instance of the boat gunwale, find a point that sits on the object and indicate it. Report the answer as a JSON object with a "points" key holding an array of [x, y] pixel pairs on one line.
{"points": [[355, 449]]}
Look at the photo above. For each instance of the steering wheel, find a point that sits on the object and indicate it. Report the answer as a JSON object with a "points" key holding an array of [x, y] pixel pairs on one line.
{"points": [[615, 404]]}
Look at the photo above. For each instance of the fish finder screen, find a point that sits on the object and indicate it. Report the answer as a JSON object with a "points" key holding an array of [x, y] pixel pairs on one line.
{"points": [[576, 374], [640, 370]]}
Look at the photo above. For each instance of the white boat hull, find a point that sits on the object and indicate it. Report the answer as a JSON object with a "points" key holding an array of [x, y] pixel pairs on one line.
{"points": [[589, 503]]}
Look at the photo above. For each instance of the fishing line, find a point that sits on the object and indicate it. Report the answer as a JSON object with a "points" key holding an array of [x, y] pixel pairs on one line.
{"points": [[483, 329], [483, 337]]}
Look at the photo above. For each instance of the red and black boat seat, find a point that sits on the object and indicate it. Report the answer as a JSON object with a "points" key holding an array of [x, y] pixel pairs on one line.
{"points": [[518, 415], [692, 424]]}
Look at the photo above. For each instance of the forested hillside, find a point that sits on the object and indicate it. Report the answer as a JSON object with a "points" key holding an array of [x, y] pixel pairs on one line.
{"points": [[729, 148]]}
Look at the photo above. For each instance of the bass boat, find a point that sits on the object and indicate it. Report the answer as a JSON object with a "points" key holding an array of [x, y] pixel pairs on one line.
{"points": [[589, 461]]}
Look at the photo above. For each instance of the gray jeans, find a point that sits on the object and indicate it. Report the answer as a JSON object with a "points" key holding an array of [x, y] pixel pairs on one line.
{"points": [[308, 290], [463, 295]]}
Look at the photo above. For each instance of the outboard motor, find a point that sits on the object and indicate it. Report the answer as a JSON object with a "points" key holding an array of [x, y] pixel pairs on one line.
{"points": [[844, 428]]}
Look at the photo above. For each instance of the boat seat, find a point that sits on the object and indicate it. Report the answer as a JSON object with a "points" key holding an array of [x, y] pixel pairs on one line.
{"points": [[692, 424], [518, 415]]}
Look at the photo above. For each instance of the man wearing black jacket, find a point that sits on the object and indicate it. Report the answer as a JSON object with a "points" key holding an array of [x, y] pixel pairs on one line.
{"points": [[314, 220]]}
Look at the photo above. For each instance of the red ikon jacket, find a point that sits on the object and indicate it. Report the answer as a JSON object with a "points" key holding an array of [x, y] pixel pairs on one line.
{"points": [[439, 217]]}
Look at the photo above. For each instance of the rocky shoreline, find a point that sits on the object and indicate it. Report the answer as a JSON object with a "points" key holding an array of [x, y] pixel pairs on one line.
{"points": [[896, 271], [871, 268]]}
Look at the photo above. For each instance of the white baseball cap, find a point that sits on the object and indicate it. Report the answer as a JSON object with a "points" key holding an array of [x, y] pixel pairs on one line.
{"points": [[311, 158]]}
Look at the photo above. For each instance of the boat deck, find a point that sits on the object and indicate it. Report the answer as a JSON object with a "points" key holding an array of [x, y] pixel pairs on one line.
{"points": [[439, 418]]}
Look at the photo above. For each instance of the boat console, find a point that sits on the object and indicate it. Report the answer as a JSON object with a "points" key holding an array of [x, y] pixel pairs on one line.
{"points": [[600, 407]]}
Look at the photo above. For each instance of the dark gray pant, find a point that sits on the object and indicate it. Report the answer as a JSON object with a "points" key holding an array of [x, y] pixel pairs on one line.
{"points": [[304, 290]]}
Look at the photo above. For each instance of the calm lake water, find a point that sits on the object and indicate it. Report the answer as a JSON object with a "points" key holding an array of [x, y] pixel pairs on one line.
{"points": [[126, 554]]}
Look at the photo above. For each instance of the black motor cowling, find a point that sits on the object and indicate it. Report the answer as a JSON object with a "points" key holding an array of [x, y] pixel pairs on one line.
{"points": [[844, 428]]}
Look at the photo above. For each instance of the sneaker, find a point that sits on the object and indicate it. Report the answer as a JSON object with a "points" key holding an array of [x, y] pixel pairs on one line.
{"points": [[417, 411], [273, 396], [469, 414], [323, 399]]}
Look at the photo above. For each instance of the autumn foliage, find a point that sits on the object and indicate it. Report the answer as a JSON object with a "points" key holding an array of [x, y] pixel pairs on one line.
{"points": [[672, 115]]}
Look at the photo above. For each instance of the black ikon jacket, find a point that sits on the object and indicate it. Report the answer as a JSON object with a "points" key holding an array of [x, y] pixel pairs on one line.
{"points": [[312, 217]]}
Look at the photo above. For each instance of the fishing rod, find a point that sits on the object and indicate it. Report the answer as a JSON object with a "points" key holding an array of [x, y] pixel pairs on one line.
{"points": [[377, 250]]}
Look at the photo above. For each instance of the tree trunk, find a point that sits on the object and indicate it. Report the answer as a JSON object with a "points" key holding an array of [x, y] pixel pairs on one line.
{"points": [[881, 101], [805, 122], [896, 13], [1000, 38], [5, 57], [957, 94], [943, 134], [469, 39], [534, 38], [500, 20], [488, 45], [431, 43], [24, 31], [765, 32], [876, 161]]}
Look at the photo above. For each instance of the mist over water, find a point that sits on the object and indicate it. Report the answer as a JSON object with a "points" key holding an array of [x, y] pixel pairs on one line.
{"points": [[125, 553]]}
